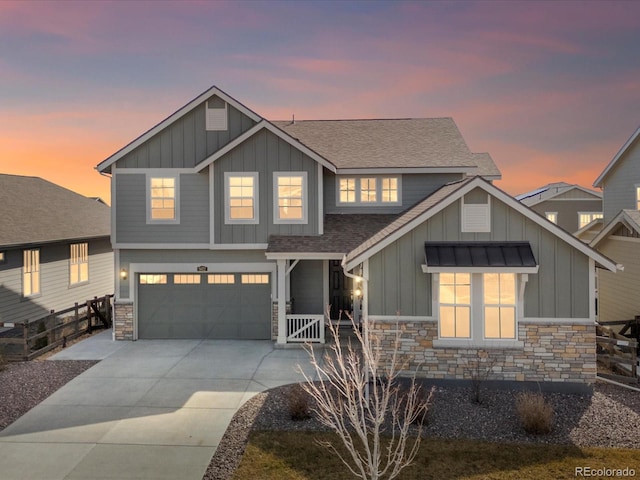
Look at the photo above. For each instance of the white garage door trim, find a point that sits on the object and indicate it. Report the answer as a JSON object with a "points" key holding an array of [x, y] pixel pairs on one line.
{"points": [[135, 268]]}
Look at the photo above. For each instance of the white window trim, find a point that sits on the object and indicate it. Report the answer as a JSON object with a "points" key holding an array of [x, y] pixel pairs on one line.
{"points": [[591, 217], [38, 271], [305, 199], [637, 199], [162, 174], [77, 265], [378, 202], [256, 199], [546, 215], [486, 207], [477, 339]]}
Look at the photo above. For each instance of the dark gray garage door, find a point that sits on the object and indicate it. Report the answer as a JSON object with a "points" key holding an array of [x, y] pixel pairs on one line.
{"points": [[210, 306]]}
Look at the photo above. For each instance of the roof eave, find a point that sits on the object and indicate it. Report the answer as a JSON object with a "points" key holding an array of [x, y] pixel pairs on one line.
{"points": [[599, 181], [105, 165]]}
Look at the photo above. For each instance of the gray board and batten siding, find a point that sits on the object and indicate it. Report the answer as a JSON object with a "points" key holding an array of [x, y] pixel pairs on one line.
{"points": [[307, 287], [567, 210], [620, 183], [415, 187], [191, 257], [186, 142], [560, 289], [131, 211], [55, 291], [264, 153]]}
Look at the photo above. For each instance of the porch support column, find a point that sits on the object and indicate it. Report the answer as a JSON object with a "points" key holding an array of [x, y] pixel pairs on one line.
{"points": [[282, 302]]}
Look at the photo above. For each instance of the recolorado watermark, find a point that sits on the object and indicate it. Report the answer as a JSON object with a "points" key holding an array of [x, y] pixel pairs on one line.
{"points": [[604, 472]]}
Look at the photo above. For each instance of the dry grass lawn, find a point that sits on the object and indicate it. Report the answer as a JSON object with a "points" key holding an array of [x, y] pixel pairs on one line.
{"points": [[295, 456]]}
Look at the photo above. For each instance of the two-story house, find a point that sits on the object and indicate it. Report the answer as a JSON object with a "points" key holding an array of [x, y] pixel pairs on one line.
{"points": [[227, 225], [618, 295], [576, 209], [54, 248]]}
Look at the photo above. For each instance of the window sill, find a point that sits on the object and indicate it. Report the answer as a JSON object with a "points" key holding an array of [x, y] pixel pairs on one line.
{"points": [[79, 284], [484, 344]]}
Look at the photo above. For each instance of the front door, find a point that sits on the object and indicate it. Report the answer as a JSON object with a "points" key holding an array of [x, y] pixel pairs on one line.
{"points": [[339, 290]]}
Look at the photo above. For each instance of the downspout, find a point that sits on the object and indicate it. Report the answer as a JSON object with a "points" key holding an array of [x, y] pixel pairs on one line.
{"points": [[365, 322]]}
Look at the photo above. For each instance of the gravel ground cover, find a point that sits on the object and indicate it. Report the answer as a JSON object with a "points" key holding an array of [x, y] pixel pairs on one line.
{"points": [[608, 418], [23, 385]]}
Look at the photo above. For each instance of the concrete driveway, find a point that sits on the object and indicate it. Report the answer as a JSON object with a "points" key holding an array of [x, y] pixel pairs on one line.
{"points": [[151, 409]]}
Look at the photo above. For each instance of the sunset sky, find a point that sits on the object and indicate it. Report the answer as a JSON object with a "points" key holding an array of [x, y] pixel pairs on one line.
{"points": [[550, 89]]}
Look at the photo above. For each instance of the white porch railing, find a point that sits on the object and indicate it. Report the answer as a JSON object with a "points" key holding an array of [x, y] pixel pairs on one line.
{"points": [[305, 328]]}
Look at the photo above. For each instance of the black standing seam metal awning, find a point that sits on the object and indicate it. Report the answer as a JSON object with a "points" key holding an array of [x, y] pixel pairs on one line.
{"points": [[480, 255]]}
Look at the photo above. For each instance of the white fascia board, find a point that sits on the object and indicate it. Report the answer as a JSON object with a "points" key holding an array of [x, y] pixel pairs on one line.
{"points": [[428, 269], [276, 131], [621, 219], [494, 191], [155, 171], [393, 170], [304, 256], [229, 146], [612, 163], [105, 164], [191, 246], [566, 189]]}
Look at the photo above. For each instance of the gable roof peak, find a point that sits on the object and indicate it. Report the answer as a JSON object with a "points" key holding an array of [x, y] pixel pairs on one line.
{"points": [[599, 181]]}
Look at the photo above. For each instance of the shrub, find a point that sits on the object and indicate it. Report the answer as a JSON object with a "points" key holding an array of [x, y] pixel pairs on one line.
{"points": [[480, 368], [535, 413], [298, 402]]}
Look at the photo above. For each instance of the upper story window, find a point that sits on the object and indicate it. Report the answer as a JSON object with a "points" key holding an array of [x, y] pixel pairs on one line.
{"points": [[290, 198], [347, 190], [79, 263], [241, 197], [373, 190], [585, 218], [31, 272], [552, 216], [162, 199], [637, 197], [3, 257]]}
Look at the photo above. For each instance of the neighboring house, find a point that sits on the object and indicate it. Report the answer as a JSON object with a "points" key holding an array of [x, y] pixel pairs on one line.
{"points": [[619, 295], [571, 207], [54, 248], [227, 225]]}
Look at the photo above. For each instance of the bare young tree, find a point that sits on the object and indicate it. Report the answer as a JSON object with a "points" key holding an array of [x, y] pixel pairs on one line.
{"points": [[359, 398]]}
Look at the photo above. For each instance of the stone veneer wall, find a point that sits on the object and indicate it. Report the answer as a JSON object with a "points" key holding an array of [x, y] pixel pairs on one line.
{"points": [[274, 318], [551, 353], [123, 321]]}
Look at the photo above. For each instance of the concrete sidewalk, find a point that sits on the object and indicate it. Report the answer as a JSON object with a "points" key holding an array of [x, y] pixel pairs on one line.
{"points": [[151, 409]]}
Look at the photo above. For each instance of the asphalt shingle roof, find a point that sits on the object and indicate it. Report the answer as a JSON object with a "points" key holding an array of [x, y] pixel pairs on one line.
{"points": [[486, 166], [341, 234], [384, 143], [37, 211], [551, 190]]}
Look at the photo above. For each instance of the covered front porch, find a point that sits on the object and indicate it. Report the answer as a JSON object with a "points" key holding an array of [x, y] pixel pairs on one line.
{"points": [[311, 292]]}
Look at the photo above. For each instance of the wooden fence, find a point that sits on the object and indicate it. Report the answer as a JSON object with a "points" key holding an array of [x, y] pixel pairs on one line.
{"points": [[32, 338], [618, 353]]}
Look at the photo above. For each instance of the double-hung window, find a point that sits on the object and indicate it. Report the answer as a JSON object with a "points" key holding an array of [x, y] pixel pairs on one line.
{"points": [[455, 305], [162, 199], [31, 273], [499, 292], [477, 307], [290, 198], [79, 263], [347, 188], [241, 197], [552, 216]]}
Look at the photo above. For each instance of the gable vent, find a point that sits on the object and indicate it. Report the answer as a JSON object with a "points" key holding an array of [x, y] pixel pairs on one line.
{"points": [[476, 218], [216, 116]]}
